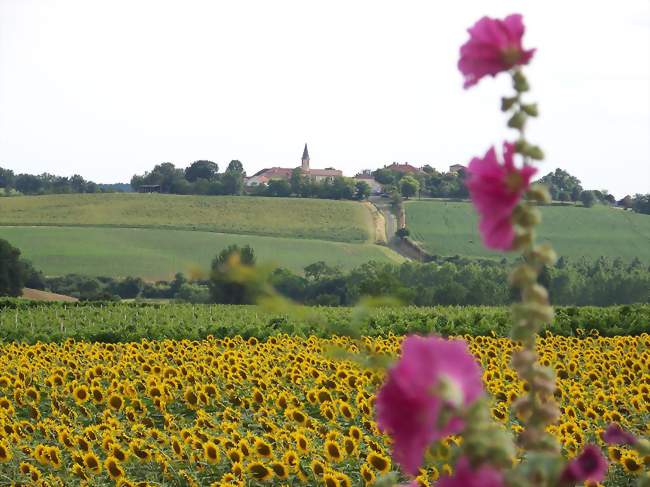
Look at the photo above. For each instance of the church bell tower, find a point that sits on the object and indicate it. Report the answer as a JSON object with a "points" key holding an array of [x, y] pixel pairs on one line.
{"points": [[305, 160]]}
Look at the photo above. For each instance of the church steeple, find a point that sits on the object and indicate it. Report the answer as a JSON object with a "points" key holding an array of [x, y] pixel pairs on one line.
{"points": [[305, 159]]}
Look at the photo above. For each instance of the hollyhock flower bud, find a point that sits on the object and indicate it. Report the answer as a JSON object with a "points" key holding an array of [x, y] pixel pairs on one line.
{"points": [[523, 359], [409, 405], [615, 435], [590, 466], [494, 46], [495, 190], [466, 476]]}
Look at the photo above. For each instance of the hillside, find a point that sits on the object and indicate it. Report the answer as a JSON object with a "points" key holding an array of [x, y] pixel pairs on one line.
{"points": [[449, 228], [159, 254], [341, 221], [155, 236]]}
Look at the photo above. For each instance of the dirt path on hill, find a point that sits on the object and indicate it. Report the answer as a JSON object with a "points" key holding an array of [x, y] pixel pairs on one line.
{"points": [[378, 224], [391, 224]]}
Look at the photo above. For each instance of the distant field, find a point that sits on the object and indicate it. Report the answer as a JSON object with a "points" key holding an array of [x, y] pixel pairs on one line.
{"points": [[341, 221], [449, 228], [158, 253], [37, 295]]}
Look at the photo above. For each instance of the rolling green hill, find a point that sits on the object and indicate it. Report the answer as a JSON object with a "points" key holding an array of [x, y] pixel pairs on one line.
{"points": [[155, 236], [159, 254], [450, 228], [340, 221]]}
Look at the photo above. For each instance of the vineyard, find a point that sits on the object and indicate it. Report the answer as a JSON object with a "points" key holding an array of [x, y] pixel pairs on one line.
{"points": [[123, 322]]}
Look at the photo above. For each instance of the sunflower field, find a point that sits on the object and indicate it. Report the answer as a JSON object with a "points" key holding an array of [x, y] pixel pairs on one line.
{"points": [[284, 411]]}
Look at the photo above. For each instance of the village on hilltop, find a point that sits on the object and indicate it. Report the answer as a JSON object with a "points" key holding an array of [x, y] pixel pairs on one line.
{"points": [[263, 176]]}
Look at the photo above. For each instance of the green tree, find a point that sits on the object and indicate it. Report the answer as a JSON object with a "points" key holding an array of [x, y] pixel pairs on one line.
{"points": [[588, 198], [641, 203], [236, 166], [362, 190], [559, 181], [409, 186], [29, 184], [12, 270], [233, 178], [130, 287], [6, 179], [320, 269], [296, 181], [207, 170], [78, 184], [384, 176], [233, 279], [278, 187]]}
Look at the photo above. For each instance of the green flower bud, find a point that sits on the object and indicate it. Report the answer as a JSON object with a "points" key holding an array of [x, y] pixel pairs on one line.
{"points": [[508, 102], [549, 412], [644, 481], [520, 82], [527, 216], [450, 392], [387, 480], [544, 382], [522, 275], [533, 312], [536, 294], [522, 331], [520, 146], [643, 446], [530, 109], [544, 254], [534, 152], [523, 240], [523, 407], [539, 193], [523, 359], [518, 120]]}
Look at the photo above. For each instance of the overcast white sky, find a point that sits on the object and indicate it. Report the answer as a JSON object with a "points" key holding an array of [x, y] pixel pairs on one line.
{"points": [[107, 89]]}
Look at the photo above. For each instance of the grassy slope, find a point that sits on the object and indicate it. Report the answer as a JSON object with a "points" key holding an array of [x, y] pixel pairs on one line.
{"points": [[449, 228], [158, 253], [342, 221]]}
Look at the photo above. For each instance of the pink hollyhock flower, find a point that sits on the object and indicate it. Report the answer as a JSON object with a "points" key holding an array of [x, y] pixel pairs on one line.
{"points": [[590, 466], [495, 190], [615, 435], [494, 46], [465, 476], [431, 374]]}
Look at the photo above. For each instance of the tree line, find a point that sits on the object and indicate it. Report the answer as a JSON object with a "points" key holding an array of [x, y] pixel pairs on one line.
{"points": [[203, 178], [562, 186], [236, 278], [37, 184]]}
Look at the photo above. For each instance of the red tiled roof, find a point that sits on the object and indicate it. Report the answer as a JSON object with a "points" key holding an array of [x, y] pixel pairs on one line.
{"points": [[275, 171], [405, 168], [325, 172]]}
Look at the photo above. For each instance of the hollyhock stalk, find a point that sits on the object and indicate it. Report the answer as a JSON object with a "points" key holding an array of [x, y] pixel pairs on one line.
{"points": [[507, 207]]}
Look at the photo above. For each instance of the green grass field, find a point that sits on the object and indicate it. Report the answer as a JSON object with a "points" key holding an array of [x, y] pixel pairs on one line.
{"points": [[159, 253], [340, 221], [450, 228]]}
